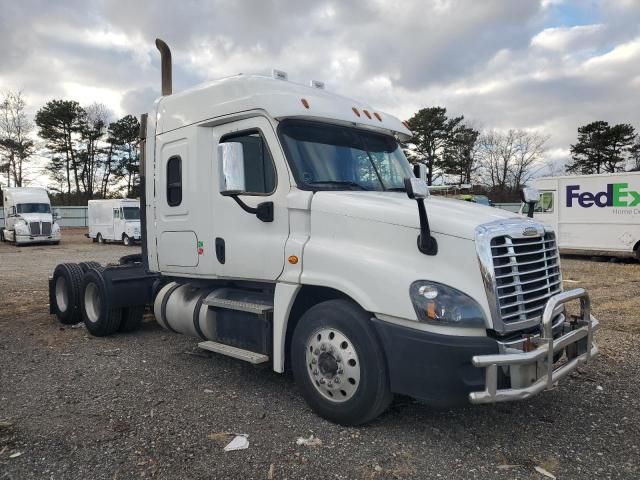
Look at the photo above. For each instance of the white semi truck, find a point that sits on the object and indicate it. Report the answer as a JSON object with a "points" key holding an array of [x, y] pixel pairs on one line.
{"points": [[282, 224], [592, 214], [28, 217], [115, 220]]}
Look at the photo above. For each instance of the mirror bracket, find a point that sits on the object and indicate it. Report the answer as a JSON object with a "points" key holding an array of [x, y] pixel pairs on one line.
{"points": [[417, 190], [264, 210]]}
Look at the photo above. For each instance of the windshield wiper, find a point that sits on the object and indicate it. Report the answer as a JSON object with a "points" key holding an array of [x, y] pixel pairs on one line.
{"points": [[339, 183]]}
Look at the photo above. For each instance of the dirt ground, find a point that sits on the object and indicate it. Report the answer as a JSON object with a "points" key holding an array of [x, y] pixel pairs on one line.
{"points": [[151, 405]]}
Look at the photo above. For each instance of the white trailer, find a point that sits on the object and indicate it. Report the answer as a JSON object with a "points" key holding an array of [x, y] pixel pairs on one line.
{"points": [[116, 220], [282, 224], [592, 214], [28, 217]]}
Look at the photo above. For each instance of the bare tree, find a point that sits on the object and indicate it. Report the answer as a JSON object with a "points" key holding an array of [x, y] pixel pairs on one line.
{"points": [[15, 131], [509, 158], [93, 132]]}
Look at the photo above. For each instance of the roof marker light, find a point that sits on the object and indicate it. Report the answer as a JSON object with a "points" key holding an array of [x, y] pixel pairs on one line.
{"points": [[377, 115], [366, 112], [304, 102], [317, 84], [279, 74], [355, 110]]}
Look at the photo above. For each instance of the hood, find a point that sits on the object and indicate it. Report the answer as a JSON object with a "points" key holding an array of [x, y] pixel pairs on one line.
{"points": [[446, 216], [36, 217]]}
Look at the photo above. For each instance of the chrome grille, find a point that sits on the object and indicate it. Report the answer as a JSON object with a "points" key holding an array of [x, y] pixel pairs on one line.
{"points": [[34, 227], [46, 228], [527, 273]]}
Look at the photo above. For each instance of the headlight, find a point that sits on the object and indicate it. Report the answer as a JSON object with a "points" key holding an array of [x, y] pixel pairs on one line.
{"points": [[22, 227], [442, 305]]}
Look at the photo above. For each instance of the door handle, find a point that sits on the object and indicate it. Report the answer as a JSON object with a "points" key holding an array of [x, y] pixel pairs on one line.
{"points": [[220, 250]]}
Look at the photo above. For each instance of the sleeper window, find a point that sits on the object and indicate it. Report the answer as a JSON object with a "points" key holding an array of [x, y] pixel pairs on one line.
{"points": [[116, 213], [259, 170], [174, 181]]}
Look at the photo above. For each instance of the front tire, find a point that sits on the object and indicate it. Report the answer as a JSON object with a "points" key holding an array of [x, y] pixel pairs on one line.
{"points": [[338, 363], [126, 240], [67, 280], [99, 318], [99, 239], [2, 235]]}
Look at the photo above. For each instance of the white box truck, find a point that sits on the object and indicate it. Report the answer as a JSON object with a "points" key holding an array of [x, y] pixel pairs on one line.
{"points": [[114, 220], [282, 224], [592, 214], [28, 217]]}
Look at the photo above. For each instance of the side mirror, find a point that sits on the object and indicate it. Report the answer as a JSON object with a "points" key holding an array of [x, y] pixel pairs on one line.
{"points": [[231, 161], [56, 215], [530, 196], [420, 171], [416, 188]]}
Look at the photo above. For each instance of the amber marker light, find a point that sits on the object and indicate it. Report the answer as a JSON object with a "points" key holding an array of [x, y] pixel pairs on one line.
{"points": [[293, 259], [355, 110], [304, 102], [377, 115], [366, 112]]}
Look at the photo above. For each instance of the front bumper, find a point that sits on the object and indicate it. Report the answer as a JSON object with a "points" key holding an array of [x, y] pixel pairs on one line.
{"points": [[24, 239], [534, 370]]}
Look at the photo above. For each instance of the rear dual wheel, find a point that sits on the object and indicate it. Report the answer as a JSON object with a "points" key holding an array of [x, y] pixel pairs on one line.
{"points": [[67, 280]]}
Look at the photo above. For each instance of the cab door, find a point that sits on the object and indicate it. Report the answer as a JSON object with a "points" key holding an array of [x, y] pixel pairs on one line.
{"points": [[245, 246]]}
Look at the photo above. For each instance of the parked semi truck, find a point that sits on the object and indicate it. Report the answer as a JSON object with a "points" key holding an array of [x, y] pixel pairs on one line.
{"points": [[116, 220], [592, 214], [28, 217], [282, 224]]}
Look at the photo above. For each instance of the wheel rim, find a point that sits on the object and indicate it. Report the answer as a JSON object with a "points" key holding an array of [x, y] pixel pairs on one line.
{"points": [[333, 364], [62, 298], [99, 238], [126, 241], [92, 302]]}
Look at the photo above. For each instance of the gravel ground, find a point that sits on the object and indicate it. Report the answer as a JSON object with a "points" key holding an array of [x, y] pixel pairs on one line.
{"points": [[150, 405]]}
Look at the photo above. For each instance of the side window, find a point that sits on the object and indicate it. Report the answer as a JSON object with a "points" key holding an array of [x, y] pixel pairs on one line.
{"points": [[259, 169], [545, 205], [174, 181], [116, 213]]}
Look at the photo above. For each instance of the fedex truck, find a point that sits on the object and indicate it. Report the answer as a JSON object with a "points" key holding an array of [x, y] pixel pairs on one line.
{"points": [[28, 217], [114, 220], [282, 224], [592, 214]]}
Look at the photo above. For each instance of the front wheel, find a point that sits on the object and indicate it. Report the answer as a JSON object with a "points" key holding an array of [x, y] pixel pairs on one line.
{"points": [[338, 363], [99, 239], [2, 235], [126, 240]]}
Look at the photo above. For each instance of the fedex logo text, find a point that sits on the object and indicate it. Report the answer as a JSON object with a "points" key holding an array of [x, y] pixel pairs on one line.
{"points": [[616, 195]]}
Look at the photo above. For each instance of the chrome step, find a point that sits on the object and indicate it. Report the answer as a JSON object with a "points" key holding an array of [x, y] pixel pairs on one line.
{"points": [[235, 352], [229, 304]]}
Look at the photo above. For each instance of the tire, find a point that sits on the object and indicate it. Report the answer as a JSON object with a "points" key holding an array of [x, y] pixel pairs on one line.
{"points": [[67, 280], [87, 265], [99, 239], [126, 240], [131, 318], [99, 319], [2, 235], [133, 258], [353, 355]]}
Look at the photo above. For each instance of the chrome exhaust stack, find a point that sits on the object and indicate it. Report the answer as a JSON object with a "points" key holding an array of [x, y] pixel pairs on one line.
{"points": [[165, 66]]}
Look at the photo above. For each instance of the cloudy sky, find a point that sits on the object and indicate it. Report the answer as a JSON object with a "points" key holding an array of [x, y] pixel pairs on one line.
{"points": [[546, 65]]}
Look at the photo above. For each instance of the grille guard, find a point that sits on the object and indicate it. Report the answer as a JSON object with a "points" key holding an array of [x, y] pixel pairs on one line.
{"points": [[538, 365]]}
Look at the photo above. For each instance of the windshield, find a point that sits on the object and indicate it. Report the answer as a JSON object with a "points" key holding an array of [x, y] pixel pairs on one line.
{"points": [[33, 208], [330, 157], [131, 213]]}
